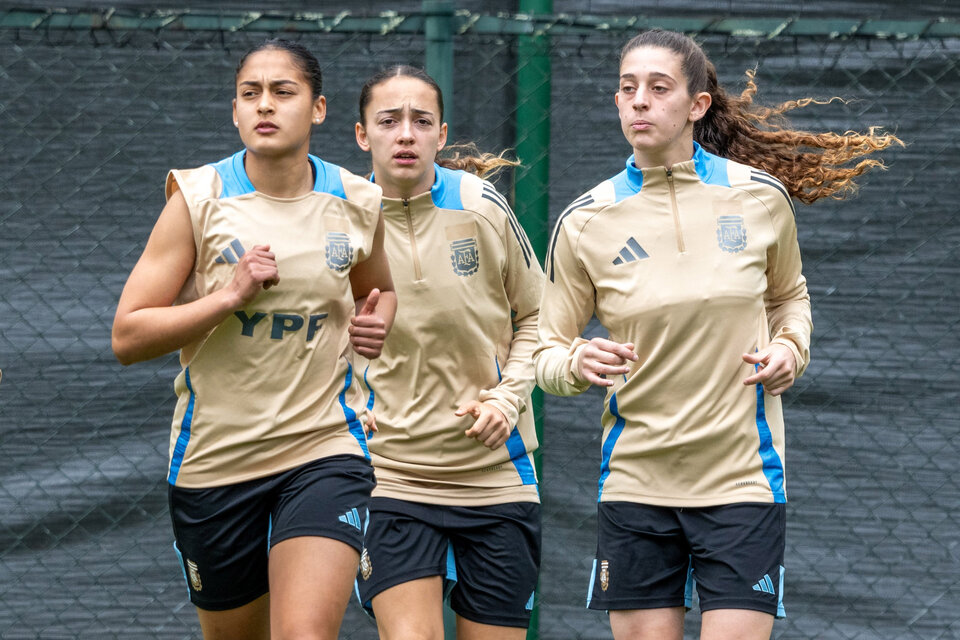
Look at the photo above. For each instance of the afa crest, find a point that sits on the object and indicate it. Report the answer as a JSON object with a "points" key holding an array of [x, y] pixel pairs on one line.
{"points": [[366, 567], [339, 252], [464, 256], [604, 575], [194, 572], [731, 234]]}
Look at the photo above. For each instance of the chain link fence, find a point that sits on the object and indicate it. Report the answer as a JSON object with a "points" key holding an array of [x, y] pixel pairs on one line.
{"points": [[96, 107]]}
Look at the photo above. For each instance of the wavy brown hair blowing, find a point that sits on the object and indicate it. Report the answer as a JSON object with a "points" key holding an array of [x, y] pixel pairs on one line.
{"points": [[810, 165], [464, 156]]}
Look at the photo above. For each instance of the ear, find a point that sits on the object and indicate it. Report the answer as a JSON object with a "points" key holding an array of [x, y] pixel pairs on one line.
{"points": [[616, 99], [236, 121], [442, 141], [701, 103], [362, 141], [319, 110]]}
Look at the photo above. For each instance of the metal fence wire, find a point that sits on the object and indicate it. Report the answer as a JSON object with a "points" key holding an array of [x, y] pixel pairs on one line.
{"points": [[95, 110]]}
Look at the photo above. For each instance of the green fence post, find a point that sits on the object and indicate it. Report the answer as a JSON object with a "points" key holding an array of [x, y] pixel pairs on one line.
{"points": [[438, 29], [531, 194]]}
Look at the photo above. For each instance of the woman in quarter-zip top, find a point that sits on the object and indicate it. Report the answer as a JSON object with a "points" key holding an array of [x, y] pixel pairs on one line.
{"points": [[689, 258], [456, 507]]}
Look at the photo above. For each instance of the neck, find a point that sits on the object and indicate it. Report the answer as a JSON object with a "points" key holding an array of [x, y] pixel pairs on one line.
{"points": [[285, 176], [404, 189], [666, 158]]}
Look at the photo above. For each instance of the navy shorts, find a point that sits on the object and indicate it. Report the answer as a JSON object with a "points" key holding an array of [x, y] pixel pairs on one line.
{"points": [[652, 557], [224, 534], [489, 556]]}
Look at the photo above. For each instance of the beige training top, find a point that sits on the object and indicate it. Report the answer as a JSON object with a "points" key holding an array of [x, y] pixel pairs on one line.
{"points": [[695, 266], [272, 387], [468, 285]]}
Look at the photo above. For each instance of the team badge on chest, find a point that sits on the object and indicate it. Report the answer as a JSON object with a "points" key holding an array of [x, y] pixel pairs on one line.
{"points": [[731, 234], [464, 256], [339, 252]]}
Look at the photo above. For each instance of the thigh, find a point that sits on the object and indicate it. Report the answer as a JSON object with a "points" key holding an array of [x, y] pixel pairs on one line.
{"points": [[411, 609], [311, 579], [249, 622], [647, 624], [736, 624], [221, 540], [326, 498], [497, 553], [737, 556], [643, 560], [403, 543]]}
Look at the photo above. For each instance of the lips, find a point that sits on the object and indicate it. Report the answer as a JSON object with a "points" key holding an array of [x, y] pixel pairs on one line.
{"points": [[265, 126], [405, 157], [640, 125]]}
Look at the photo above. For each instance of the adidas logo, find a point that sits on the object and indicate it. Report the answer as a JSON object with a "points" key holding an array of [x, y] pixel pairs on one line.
{"points": [[765, 585], [351, 518], [631, 252], [231, 257]]}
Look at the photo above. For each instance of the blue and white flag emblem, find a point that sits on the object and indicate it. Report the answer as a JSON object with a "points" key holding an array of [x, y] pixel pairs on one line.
{"points": [[463, 255], [731, 234], [339, 252]]}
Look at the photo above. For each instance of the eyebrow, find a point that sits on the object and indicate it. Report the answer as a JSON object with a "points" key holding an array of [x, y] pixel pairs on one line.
{"points": [[653, 74], [395, 110], [272, 83]]}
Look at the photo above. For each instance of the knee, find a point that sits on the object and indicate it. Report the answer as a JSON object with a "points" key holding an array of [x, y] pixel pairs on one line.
{"points": [[410, 630], [303, 632]]}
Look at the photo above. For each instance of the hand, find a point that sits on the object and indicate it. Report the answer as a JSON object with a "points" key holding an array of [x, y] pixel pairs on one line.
{"points": [[256, 270], [370, 423], [368, 330], [490, 426], [602, 358], [776, 368]]}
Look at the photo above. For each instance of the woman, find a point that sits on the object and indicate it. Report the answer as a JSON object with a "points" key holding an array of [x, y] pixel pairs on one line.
{"points": [[456, 493], [256, 269], [689, 258]]}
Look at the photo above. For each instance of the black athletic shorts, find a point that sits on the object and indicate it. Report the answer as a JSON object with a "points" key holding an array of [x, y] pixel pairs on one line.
{"points": [[652, 557], [224, 534], [489, 556]]}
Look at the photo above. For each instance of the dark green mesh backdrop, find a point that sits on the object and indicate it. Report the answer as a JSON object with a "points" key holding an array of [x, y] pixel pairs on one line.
{"points": [[92, 118]]}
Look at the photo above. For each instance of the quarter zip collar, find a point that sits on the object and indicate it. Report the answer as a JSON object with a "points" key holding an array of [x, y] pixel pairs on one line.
{"points": [[444, 194], [702, 164]]}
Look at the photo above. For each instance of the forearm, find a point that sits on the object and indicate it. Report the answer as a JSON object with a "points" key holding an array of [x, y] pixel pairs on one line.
{"points": [[555, 368], [151, 332], [516, 374], [791, 324]]}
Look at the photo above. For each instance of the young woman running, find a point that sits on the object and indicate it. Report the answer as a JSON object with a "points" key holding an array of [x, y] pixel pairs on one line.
{"points": [[258, 267], [689, 258], [456, 500]]}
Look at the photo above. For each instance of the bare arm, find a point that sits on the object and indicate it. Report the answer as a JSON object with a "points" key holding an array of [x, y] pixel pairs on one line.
{"points": [[146, 325]]}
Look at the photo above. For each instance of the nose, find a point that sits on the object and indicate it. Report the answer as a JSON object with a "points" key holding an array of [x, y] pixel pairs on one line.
{"points": [[405, 131], [640, 100], [265, 104]]}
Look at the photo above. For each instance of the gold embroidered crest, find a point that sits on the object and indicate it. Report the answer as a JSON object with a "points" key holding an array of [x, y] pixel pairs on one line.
{"points": [[366, 567], [604, 575], [194, 572]]}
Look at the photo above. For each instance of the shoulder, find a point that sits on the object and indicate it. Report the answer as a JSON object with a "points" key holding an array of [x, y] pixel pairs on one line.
{"points": [[760, 184], [583, 208], [334, 180], [482, 197], [220, 179]]}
